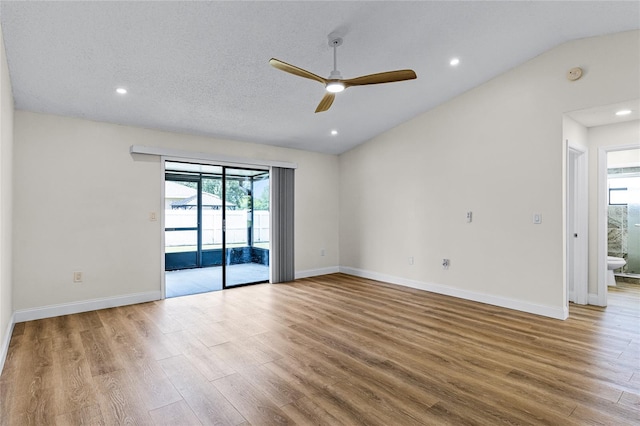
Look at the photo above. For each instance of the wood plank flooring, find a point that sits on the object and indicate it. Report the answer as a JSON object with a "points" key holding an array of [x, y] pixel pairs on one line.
{"points": [[327, 350]]}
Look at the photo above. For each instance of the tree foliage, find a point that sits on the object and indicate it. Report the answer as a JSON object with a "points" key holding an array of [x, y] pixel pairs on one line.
{"points": [[237, 192], [262, 202]]}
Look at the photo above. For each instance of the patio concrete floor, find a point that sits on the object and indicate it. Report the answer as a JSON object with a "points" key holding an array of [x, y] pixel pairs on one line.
{"points": [[201, 280]]}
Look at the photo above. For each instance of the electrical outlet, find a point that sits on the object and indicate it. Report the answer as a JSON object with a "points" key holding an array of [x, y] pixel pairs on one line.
{"points": [[77, 277], [411, 260], [469, 217], [445, 263], [153, 217]]}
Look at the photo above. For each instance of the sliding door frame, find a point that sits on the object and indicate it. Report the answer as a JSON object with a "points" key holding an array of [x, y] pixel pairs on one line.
{"points": [[250, 233], [225, 166]]}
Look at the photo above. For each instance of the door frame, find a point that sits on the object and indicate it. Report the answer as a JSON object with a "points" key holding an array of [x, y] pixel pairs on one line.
{"points": [[224, 165], [226, 252], [577, 224]]}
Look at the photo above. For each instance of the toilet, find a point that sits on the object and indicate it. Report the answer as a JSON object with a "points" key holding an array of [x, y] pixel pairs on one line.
{"points": [[613, 263]]}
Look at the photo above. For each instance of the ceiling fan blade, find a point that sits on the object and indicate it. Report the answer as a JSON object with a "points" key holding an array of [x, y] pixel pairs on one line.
{"points": [[383, 77], [326, 102], [291, 69]]}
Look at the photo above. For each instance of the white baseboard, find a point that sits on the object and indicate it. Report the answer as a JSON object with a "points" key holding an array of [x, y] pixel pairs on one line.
{"points": [[84, 306], [315, 272], [561, 313], [4, 347]]}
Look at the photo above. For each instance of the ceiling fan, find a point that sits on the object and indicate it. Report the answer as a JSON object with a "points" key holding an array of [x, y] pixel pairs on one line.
{"points": [[335, 83]]}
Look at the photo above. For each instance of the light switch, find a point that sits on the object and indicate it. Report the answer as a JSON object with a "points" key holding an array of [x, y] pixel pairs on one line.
{"points": [[537, 218]]}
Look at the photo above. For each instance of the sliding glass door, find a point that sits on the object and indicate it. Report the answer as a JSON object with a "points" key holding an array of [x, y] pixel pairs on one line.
{"points": [[216, 227], [247, 226]]}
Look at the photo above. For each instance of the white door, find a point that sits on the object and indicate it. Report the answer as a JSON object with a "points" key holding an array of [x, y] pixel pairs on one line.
{"points": [[577, 238]]}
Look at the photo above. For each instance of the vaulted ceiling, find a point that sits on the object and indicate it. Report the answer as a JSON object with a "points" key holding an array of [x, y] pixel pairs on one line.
{"points": [[202, 67]]}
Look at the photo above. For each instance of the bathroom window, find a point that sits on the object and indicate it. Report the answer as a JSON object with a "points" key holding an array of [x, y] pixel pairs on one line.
{"points": [[618, 196]]}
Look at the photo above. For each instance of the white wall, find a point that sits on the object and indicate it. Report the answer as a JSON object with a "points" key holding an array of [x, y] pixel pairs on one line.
{"points": [[6, 156], [620, 134], [82, 203], [626, 158], [496, 150], [574, 133]]}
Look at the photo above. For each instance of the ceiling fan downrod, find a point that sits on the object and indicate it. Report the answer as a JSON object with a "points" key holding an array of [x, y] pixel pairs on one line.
{"points": [[335, 87], [335, 43]]}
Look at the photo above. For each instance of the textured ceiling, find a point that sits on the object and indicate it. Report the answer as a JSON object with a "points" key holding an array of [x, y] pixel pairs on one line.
{"points": [[202, 67]]}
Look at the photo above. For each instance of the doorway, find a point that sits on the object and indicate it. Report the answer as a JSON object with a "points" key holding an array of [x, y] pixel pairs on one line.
{"points": [[615, 203], [216, 227]]}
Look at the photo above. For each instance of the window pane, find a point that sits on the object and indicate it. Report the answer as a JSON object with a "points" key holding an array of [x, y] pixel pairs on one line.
{"points": [[618, 196]]}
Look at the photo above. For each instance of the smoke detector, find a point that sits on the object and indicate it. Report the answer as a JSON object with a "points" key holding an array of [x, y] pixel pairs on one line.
{"points": [[574, 74]]}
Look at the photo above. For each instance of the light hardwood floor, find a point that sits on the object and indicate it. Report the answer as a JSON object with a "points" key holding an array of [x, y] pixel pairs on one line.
{"points": [[327, 350]]}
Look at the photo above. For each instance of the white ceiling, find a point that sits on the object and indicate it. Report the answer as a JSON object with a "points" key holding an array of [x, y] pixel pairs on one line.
{"points": [[606, 114], [202, 67]]}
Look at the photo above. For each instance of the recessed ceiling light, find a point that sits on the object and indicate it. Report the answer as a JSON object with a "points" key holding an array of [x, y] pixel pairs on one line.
{"points": [[624, 112], [334, 132], [454, 62], [121, 90]]}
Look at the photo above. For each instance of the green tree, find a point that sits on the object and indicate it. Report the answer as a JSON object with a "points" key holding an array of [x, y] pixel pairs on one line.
{"points": [[237, 191], [262, 203]]}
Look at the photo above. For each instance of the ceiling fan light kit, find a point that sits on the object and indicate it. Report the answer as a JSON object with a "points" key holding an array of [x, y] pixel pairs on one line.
{"points": [[335, 83], [335, 87]]}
